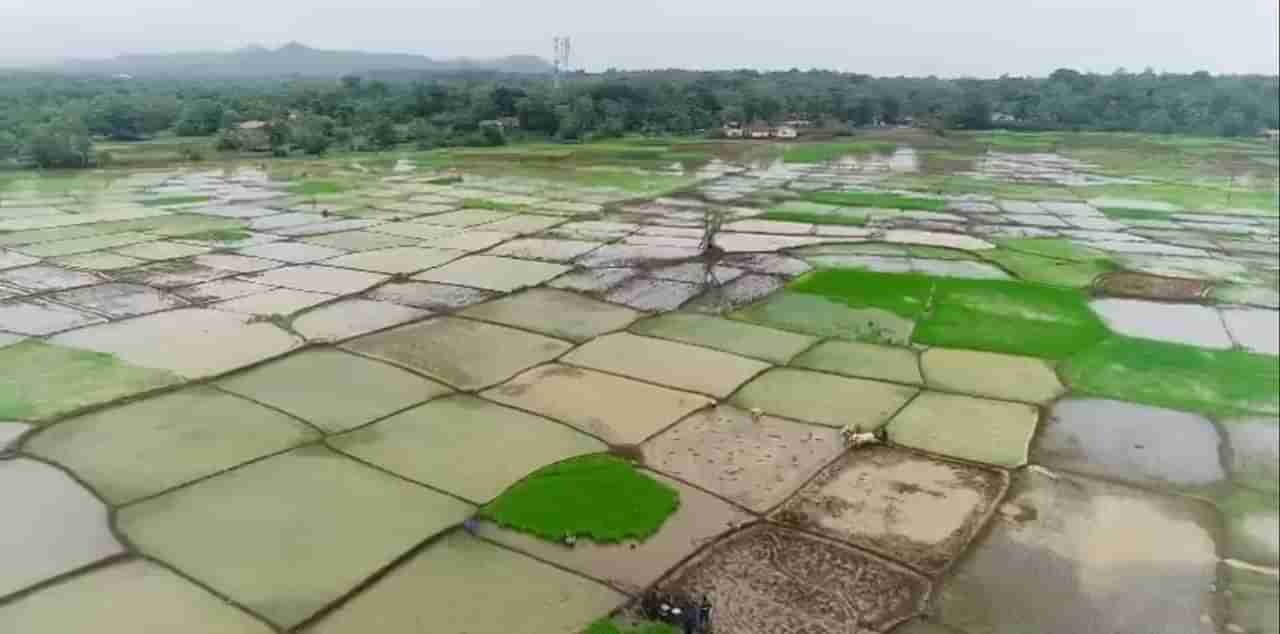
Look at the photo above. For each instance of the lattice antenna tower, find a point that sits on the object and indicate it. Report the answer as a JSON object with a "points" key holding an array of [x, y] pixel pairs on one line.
{"points": [[561, 59]]}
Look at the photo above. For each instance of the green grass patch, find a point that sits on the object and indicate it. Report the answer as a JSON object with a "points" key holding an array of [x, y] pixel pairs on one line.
{"points": [[815, 218], [1046, 270], [876, 199], [825, 317], [631, 180], [906, 295], [805, 207], [168, 201], [600, 497], [480, 203], [823, 152], [39, 381], [938, 253], [942, 181], [178, 225], [219, 235], [607, 626], [18, 238], [1056, 248], [1194, 197], [1129, 213], [1009, 316], [1220, 383], [647, 152], [1052, 261], [317, 188], [434, 160], [994, 315], [685, 157], [885, 249]]}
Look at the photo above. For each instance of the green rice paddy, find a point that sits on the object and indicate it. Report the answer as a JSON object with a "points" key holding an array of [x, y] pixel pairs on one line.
{"points": [[1126, 213], [1052, 261], [1046, 270], [816, 218], [819, 315], [219, 235], [600, 497], [1011, 317], [317, 188], [56, 380], [823, 152], [480, 203], [1219, 383], [906, 295], [1057, 248], [169, 201], [877, 199], [995, 315]]}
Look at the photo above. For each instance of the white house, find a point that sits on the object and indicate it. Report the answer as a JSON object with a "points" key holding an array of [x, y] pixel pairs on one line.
{"points": [[785, 132], [759, 131]]}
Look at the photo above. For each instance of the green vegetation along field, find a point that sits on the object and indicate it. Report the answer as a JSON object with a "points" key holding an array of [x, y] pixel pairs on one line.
{"points": [[598, 497]]}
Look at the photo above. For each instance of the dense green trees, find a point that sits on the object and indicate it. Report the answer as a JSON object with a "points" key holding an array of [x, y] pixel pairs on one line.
{"points": [[202, 117], [314, 135], [9, 145], [63, 143], [56, 114]]}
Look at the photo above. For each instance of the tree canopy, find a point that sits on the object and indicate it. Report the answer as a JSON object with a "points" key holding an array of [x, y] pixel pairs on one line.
{"points": [[381, 110]]}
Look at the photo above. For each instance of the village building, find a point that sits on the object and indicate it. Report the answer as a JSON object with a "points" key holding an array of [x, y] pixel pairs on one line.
{"points": [[798, 123], [759, 130], [785, 132]]}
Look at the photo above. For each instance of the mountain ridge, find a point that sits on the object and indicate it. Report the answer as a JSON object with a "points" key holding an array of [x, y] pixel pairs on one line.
{"points": [[290, 60]]}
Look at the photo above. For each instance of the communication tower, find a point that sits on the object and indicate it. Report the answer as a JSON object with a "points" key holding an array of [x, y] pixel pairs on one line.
{"points": [[561, 59]]}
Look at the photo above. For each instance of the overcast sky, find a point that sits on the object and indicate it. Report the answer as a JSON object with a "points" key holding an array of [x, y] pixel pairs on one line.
{"points": [[923, 37]]}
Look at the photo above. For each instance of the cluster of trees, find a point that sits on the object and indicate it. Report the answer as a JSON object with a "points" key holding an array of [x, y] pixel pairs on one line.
{"points": [[52, 120]]}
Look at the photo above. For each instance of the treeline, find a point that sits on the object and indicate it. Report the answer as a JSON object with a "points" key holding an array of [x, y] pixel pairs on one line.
{"points": [[53, 120]]}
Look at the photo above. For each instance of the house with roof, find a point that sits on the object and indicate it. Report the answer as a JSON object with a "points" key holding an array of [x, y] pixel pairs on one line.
{"points": [[785, 132]]}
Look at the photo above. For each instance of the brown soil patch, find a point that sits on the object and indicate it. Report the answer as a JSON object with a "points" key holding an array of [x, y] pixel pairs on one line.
{"points": [[768, 579], [913, 509], [1147, 286]]}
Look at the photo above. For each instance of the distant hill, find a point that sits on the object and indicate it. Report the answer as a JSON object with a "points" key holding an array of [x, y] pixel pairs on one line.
{"points": [[290, 60]]}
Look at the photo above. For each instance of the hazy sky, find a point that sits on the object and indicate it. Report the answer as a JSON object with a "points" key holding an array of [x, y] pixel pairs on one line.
{"points": [[922, 37]]}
